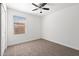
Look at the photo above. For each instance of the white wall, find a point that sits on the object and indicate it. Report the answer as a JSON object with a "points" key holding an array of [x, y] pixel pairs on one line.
{"points": [[62, 27], [32, 27]]}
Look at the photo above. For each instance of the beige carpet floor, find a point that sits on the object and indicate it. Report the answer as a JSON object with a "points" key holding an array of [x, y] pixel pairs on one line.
{"points": [[40, 47]]}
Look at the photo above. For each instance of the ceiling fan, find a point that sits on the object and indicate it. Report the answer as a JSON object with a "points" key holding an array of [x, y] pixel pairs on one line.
{"points": [[40, 6]]}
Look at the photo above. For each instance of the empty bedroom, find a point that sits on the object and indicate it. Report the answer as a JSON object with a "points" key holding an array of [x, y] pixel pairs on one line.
{"points": [[40, 29]]}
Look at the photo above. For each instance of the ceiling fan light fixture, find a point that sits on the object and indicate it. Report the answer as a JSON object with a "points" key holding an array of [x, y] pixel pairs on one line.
{"points": [[40, 6], [40, 11]]}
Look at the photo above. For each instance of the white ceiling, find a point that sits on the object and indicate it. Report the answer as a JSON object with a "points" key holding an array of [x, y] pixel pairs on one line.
{"points": [[28, 7]]}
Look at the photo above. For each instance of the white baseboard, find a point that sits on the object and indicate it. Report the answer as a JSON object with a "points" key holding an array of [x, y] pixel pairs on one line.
{"points": [[48, 40], [62, 44], [24, 41]]}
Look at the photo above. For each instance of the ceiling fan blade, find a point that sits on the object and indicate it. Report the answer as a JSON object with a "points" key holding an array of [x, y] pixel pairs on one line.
{"points": [[35, 9], [35, 4], [45, 8], [43, 4]]}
